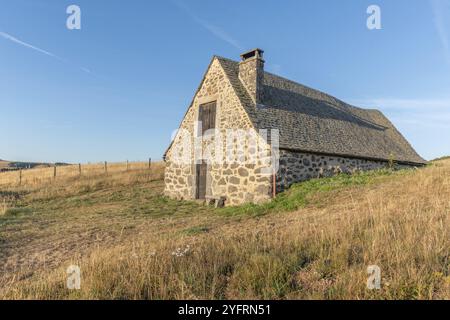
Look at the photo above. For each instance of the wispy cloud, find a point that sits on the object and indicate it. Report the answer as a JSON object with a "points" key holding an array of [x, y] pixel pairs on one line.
{"points": [[215, 30], [441, 13], [425, 112], [424, 122], [86, 70], [37, 49], [404, 104]]}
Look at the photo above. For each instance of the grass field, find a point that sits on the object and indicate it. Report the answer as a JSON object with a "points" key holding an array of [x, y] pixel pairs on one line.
{"points": [[46, 173], [314, 241]]}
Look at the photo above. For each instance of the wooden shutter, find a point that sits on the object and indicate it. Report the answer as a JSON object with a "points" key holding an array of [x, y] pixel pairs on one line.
{"points": [[208, 116]]}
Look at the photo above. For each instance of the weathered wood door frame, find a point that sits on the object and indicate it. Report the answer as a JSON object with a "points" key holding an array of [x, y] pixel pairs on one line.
{"points": [[201, 179]]}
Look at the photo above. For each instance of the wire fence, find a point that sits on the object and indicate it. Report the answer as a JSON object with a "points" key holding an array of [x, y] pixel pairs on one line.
{"points": [[41, 175]]}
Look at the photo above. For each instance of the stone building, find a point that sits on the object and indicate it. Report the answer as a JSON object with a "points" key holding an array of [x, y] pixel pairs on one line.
{"points": [[248, 133]]}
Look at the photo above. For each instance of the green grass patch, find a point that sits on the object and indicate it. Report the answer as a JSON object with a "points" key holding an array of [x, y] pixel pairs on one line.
{"points": [[299, 195], [15, 212], [196, 230]]}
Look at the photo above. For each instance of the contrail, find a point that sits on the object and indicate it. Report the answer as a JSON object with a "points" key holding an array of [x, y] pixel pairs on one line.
{"points": [[215, 30], [30, 46], [440, 12], [27, 45]]}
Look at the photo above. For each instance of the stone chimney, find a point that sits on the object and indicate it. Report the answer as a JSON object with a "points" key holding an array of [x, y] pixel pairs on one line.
{"points": [[251, 73]]}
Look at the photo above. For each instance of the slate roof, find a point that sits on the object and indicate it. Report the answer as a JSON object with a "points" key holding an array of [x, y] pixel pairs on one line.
{"points": [[311, 121]]}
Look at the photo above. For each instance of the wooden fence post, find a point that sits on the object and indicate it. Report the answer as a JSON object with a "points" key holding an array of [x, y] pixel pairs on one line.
{"points": [[20, 177], [274, 184], [54, 171], [149, 163], [79, 169], [106, 167]]}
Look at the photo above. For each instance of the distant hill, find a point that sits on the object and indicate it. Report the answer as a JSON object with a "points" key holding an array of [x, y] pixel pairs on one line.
{"points": [[3, 164], [17, 165], [441, 158]]}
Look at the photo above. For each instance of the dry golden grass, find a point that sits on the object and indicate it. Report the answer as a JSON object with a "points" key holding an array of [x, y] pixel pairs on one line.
{"points": [[39, 176], [3, 207], [162, 249]]}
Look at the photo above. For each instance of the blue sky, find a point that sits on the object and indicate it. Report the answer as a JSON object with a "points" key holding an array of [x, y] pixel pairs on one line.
{"points": [[117, 88]]}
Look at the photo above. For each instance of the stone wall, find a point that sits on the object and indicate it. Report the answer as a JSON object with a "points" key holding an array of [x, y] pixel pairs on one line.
{"points": [[240, 181], [298, 166]]}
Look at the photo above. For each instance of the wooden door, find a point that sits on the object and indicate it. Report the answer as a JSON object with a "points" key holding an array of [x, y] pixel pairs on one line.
{"points": [[201, 180]]}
